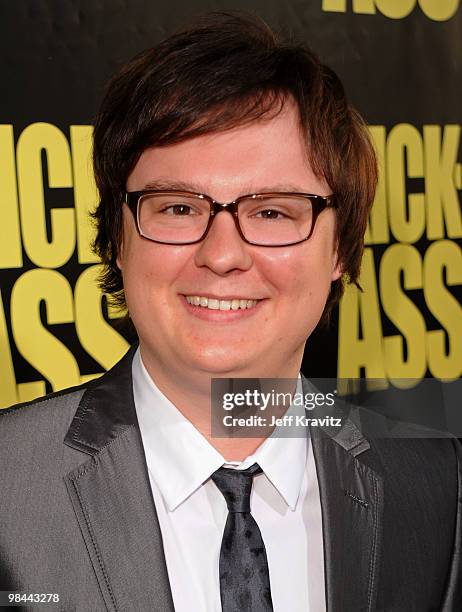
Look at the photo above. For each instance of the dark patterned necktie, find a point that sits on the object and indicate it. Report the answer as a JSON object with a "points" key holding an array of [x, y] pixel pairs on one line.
{"points": [[244, 577]]}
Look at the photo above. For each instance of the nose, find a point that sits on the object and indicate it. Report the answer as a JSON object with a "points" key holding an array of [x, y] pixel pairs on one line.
{"points": [[223, 250]]}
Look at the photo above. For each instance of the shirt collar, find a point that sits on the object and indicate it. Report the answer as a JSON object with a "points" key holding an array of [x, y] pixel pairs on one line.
{"points": [[283, 457], [180, 459]]}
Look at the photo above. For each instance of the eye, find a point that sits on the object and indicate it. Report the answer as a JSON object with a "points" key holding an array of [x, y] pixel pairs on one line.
{"points": [[178, 210], [270, 213]]}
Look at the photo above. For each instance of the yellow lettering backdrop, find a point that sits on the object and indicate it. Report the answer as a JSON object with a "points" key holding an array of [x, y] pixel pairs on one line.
{"points": [[401, 64], [437, 10], [43, 296], [401, 219]]}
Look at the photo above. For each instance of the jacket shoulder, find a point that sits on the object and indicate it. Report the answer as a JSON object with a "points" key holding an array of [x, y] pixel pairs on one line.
{"points": [[45, 419], [46, 400]]}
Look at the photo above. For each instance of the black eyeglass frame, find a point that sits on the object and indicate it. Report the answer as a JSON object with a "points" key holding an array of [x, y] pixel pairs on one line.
{"points": [[319, 203]]}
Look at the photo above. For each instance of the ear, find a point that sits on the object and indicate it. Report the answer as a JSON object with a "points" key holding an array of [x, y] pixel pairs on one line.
{"points": [[120, 253], [120, 245], [337, 270]]}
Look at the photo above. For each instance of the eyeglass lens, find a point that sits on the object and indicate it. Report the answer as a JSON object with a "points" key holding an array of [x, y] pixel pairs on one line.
{"points": [[265, 221]]}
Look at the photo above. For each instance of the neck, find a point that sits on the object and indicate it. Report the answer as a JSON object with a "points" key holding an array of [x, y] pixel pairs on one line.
{"points": [[190, 393]]}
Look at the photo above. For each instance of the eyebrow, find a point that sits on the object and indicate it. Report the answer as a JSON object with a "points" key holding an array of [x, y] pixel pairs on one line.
{"points": [[177, 185], [172, 184]]}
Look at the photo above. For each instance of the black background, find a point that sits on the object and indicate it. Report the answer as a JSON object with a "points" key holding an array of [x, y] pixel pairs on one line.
{"points": [[57, 55]]}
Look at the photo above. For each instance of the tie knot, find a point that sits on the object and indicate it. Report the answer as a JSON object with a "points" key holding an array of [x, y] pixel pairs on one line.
{"points": [[236, 486]]}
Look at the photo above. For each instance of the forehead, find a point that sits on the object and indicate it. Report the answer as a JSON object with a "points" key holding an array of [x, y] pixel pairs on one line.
{"points": [[268, 154]]}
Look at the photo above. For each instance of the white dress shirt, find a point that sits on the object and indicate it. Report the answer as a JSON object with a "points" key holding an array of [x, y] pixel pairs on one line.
{"points": [[192, 512]]}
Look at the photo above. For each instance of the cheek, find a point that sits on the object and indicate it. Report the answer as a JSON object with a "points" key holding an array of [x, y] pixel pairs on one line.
{"points": [[299, 272], [301, 278], [150, 270]]}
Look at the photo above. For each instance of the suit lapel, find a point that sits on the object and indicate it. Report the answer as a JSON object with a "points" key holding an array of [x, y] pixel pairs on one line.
{"points": [[352, 499], [112, 498]]}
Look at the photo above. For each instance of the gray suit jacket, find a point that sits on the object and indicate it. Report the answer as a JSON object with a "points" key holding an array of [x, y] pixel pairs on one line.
{"points": [[77, 515]]}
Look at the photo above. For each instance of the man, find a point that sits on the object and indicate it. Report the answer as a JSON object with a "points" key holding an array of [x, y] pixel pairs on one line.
{"points": [[235, 183]]}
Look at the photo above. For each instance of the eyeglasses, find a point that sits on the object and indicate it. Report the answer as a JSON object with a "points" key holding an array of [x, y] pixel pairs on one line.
{"points": [[262, 219]]}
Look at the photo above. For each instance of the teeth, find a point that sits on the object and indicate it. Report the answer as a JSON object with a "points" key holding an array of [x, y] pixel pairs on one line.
{"points": [[213, 304]]}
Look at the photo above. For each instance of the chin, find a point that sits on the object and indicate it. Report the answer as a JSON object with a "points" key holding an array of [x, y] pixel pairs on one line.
{"points": [[222, 363]]}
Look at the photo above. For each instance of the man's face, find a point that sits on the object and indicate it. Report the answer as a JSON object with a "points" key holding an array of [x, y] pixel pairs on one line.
{"points": [[290, 284]]}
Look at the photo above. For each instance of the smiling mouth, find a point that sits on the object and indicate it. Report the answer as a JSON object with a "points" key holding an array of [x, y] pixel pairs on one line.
{"points": [[215, 304]]}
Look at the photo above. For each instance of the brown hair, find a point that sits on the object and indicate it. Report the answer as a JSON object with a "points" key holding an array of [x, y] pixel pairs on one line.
{"points": [[226, 70]]}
